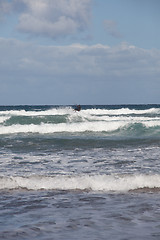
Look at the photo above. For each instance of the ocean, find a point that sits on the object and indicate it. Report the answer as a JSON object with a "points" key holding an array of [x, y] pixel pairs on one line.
{"points": [[93, 174]]}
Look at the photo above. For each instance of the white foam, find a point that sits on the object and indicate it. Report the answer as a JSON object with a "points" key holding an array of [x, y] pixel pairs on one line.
{"points": [[75, 127], [104, 183], [89, 117], [62, 127], [92, 120], [3, 118], [154, 123], [54, 111], [69, 110], [122, 111]]}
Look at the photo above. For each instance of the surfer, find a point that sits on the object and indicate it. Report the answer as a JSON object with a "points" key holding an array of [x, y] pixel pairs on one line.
{"points": [[78, 108]]}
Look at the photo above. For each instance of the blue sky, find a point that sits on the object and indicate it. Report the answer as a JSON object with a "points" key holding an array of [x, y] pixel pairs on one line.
{"points": [[72, 51]]}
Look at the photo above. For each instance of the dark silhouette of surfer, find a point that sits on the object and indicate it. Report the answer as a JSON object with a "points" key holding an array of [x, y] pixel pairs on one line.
{"points": [[78, 108]]}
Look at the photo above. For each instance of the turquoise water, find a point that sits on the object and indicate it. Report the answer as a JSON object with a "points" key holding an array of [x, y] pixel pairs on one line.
{"points": [[92, 174]]}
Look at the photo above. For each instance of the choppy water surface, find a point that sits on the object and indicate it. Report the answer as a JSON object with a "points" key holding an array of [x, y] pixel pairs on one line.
{"points": [[92, 174]]}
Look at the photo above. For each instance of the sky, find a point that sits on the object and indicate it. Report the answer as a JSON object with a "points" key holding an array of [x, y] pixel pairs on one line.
{"points": [[70, 52]]}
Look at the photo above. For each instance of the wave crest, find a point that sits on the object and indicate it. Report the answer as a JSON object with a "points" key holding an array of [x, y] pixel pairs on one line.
{"points": [[123, 121], [104, 183]]}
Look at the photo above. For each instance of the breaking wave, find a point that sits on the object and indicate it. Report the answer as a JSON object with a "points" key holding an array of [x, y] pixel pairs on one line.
{"points": [[105, 183], [122, 121]]}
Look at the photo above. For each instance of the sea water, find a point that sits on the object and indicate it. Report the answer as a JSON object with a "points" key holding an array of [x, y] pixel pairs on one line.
{"points": [[92, 174]]}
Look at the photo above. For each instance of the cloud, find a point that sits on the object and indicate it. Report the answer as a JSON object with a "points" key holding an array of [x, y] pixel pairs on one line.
{"points": [[5, 8], [77, 72], [96, 60], [111, 27], [51, 18]]}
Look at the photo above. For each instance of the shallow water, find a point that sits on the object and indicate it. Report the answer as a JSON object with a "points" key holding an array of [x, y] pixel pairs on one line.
{"points": [[79, 215]]}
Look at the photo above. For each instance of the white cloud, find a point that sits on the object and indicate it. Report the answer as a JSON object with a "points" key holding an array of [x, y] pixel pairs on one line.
{"points": [[79, 68], [51, 18], [98, 60]]}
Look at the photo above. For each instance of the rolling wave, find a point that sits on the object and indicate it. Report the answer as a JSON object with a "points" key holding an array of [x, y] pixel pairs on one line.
{"points": [[123, 111], [70, 110], [122, 121], [23, 112], [106, 183], [86, 127]]}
